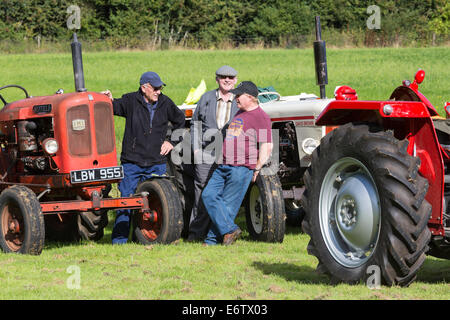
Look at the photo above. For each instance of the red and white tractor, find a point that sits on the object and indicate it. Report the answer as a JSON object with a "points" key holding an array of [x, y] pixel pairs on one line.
{"points": [[372, 178], [377, 188]]}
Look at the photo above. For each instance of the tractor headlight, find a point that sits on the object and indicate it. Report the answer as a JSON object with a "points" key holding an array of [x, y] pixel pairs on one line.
{"points": [[50, 145], [309, 144]]}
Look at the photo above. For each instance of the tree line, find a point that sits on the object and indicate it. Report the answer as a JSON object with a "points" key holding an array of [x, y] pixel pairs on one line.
{"points": [[226, 23]]}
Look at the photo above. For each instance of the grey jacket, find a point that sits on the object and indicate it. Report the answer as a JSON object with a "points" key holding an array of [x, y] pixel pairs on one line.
{"points": [[205, 114]]}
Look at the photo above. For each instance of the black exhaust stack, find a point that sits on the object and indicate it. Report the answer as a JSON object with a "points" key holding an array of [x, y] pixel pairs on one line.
{"points": [[77, 61], [320, 59]]}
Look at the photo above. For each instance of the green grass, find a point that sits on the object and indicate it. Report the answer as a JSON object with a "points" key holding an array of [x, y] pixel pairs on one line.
{"points": [[246, 270]]}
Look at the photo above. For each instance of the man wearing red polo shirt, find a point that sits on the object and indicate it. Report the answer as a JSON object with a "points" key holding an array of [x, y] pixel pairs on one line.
{"points": [[242, 162]]}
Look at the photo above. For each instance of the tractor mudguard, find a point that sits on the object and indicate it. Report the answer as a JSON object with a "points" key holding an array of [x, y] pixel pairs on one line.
{"points": [[340, 112], [409, 120]]}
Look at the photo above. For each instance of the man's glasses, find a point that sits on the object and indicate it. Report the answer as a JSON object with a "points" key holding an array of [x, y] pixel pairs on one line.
{"points": [[227, 77], [154, 88]]}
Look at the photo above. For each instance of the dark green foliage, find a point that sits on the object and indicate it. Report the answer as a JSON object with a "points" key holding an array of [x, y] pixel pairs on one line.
{"points": [[211, 23]]}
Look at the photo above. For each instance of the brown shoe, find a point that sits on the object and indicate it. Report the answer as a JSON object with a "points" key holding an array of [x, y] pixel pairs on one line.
{"points": [[231, 237]]}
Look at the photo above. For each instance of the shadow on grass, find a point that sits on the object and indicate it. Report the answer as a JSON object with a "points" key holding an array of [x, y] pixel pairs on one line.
{"points": [[292, 272], [434, 270], [106, 239]]}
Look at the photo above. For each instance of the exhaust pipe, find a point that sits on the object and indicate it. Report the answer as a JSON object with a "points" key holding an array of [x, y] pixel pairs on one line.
{"points": [[77, 61], [320, 59]]}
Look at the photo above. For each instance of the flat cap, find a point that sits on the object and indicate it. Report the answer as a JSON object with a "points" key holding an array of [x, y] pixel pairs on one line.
{"points": [[226, 71]]}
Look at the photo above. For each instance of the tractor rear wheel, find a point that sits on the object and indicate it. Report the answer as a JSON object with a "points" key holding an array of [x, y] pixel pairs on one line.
{"points": [[165, 221], [21, 221], [264, 209], [365, 207]]}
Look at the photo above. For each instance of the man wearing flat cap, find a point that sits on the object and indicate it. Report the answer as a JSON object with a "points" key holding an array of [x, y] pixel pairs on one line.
{"points": [[212, 115], [144, 146]]}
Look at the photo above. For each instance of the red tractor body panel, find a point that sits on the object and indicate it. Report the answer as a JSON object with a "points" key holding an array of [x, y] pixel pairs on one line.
{"points": [[83, 125], [409, 120], [92, 144]]}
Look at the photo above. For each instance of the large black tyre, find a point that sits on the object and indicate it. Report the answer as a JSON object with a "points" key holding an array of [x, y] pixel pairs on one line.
{"points": [[91, 224], [21, 221], [365, 206], [183, 178], [164, 199], [264, 209]]}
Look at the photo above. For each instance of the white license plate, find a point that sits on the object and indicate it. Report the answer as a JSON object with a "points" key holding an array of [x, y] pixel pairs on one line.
{"points": [[97, 174]]}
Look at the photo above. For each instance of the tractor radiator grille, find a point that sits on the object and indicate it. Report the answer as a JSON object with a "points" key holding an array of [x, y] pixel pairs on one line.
{"points": [[104, 128], [79, 131]]}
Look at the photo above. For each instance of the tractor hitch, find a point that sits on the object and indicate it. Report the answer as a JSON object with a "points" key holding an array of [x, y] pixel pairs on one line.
{"points": [[96, 203]]}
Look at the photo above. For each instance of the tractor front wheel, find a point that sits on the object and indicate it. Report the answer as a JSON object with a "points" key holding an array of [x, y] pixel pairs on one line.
{"points": [[164, 223], [365, 207], [21, 222]]}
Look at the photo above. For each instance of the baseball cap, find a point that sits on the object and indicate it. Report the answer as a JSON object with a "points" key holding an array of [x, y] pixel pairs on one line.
{"points": [[226, 71], [246, 87], [152, 78]]}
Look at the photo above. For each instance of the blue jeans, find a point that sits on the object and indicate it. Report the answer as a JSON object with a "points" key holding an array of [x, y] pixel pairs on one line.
{"points": [[133, 175], [223, 197]]}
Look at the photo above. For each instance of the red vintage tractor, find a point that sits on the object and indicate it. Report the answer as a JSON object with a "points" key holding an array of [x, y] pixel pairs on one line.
{"points": [[58, 161], [378, 188]]}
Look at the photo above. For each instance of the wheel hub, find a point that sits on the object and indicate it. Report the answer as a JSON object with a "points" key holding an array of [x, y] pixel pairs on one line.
{"points": [[347, 213], [256, 209], [350, 212], [14, 226]]}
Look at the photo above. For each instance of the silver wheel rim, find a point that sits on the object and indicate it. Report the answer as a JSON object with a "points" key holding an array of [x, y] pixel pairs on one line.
{"points": [[256, 209], [349, 212]]}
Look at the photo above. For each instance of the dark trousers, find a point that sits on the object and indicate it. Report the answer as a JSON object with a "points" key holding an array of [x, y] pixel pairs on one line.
{"points": [[200, 221]]}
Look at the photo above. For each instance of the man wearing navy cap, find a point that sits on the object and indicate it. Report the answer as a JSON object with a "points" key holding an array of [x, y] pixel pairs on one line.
{"points": [[144, 146]]}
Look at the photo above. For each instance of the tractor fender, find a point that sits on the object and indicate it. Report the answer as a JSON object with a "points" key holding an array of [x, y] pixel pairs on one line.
{"points": [[340, 112], [409, 120]]}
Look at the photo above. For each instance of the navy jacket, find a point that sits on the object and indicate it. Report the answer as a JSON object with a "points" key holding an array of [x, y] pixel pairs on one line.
{"points": [[141, 144]]}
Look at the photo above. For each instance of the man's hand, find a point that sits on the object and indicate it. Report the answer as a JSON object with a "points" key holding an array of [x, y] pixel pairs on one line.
{"points": [[255, 175], [108, 94], [264, 154], [166, 148]]}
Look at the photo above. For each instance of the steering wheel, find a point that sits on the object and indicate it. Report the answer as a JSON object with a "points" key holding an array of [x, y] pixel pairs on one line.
{"points": [[15, 86]]}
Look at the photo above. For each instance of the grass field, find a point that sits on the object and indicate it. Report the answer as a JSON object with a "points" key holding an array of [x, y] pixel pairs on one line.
{"points": [[246, 270]]}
